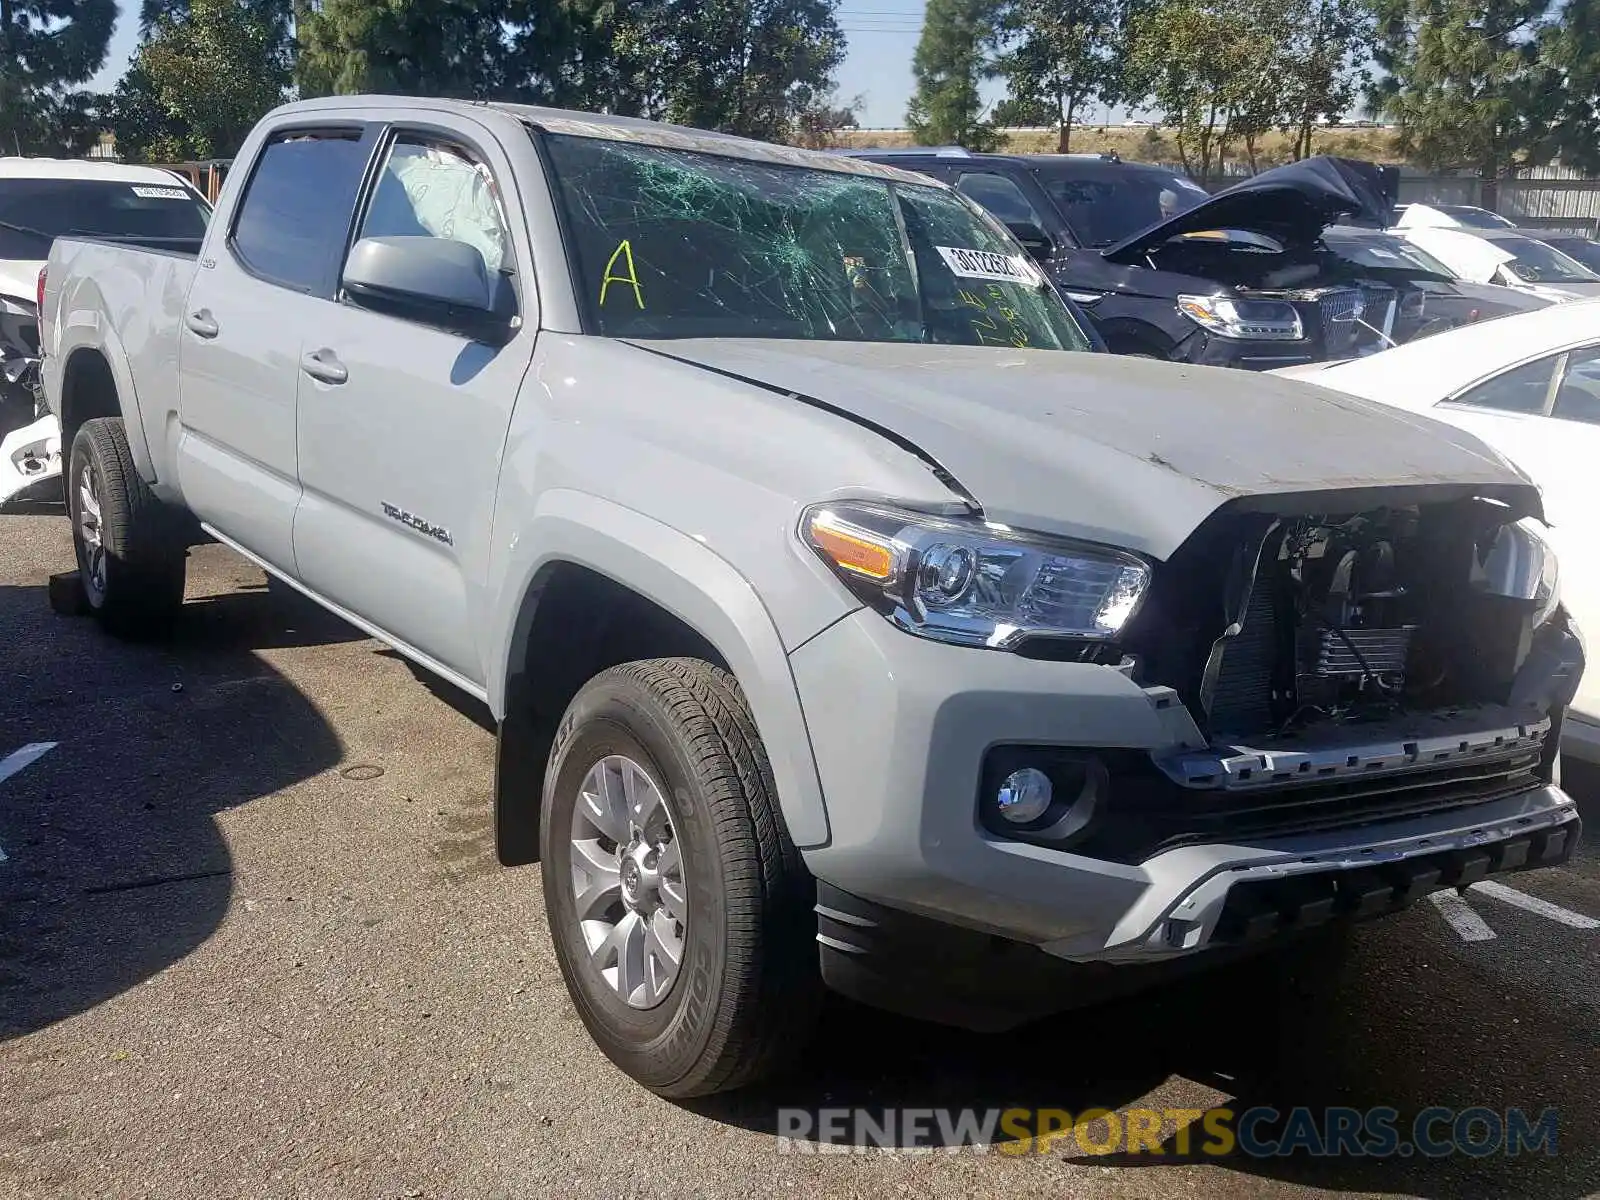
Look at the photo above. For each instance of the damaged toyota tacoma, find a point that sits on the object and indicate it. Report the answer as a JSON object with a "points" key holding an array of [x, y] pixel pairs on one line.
{"points": [[848, 622]]}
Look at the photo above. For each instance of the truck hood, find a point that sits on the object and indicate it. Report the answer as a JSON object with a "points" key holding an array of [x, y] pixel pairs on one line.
{"points": [[1292, 204], [1124, 451]]}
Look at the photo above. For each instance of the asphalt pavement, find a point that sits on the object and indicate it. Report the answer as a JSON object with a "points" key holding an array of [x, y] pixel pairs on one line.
{"points": [[254, 942]]}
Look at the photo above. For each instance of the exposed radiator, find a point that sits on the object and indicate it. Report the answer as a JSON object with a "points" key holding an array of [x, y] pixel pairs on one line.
{"points": [[1384, 651], [1242, 702]]}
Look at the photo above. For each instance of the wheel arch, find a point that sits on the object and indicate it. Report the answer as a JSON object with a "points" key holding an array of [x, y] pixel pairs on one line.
{"points": [[605, 581], [96, 382], [1128, 335]]}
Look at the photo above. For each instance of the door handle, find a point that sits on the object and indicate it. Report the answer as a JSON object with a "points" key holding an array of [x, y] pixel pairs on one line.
{"points": [[324, 365], [203, 323]]}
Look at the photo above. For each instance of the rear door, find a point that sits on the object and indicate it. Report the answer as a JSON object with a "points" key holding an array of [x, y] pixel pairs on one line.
{"points": [[262, 286], [402, 420]]}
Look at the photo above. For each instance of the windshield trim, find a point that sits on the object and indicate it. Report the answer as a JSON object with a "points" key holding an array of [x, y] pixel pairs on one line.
{"points": [[588, 320]]}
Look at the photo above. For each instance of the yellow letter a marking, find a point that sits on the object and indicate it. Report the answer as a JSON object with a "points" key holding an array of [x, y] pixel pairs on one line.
{"points": [[623, 251]]}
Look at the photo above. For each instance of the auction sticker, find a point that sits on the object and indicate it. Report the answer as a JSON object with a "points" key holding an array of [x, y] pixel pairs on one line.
{"points": [[984, 264], [160, 193]]}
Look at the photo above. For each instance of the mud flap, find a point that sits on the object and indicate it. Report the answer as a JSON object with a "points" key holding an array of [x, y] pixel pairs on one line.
{"points": [[522, 748]]}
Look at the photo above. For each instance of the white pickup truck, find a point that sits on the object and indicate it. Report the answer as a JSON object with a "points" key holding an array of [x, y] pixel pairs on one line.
{"points": [[847, 620]]}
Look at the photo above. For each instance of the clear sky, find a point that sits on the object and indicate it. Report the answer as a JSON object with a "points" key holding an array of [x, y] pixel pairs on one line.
{"points": [[881, 34]]}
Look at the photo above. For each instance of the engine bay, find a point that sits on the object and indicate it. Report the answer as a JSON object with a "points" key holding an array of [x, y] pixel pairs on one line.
{"points": [[1292, 273], [1274, 625]]}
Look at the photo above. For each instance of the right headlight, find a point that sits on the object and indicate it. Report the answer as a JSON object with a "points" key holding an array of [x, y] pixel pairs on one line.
{"points": [[1245, 320], [973, 584]]}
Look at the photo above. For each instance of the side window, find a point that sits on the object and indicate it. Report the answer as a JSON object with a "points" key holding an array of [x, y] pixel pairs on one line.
{"points": [[436, 189], [297, 206], [1520, 390], [1001, 197], [1578, 397]]}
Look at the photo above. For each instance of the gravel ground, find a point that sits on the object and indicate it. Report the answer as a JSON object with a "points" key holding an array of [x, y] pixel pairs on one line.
{"points": [[254, 942]]}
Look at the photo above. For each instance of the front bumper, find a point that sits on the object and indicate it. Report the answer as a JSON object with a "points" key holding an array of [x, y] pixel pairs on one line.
{"points": [[901, 768]]}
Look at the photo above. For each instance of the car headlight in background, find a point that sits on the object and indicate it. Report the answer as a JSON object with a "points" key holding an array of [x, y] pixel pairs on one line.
{"points": [[972, 584], [1256, 320]]}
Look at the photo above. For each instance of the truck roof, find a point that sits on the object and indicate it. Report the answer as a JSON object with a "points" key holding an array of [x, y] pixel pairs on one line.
{"points": [[621, 129], [78, 168]]}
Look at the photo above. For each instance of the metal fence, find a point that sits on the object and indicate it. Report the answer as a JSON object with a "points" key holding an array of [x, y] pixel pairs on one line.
{"points": [[1555, 198]]}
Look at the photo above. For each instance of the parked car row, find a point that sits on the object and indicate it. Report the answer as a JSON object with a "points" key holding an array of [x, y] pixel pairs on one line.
{"points": [[1291, 266], [850, 622]]}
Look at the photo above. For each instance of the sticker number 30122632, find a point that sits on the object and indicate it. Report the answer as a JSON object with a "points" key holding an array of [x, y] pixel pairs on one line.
{"points": [[985, 264]]}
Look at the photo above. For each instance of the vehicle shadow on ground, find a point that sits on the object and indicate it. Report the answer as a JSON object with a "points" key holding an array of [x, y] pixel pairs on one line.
{"points": [[1376, 1017], [115, 865]]}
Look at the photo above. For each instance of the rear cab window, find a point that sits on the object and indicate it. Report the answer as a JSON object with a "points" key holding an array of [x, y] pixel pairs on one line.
{"points": [[34, 212], [675, 243], [297, 207]]}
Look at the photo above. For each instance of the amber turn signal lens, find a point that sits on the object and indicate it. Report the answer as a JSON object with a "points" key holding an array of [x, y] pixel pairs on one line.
{"points": [[850, 551]]}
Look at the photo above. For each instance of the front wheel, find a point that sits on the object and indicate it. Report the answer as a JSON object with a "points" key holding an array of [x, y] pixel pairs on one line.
{"points": [[130, 562], [680, 911]]}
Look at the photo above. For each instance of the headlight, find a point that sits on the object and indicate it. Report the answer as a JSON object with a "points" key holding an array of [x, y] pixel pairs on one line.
{"points": [[1263, 320], [972, 584]]}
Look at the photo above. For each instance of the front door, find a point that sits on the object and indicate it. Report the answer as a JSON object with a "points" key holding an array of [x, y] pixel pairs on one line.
{"points": [[402, 421]]}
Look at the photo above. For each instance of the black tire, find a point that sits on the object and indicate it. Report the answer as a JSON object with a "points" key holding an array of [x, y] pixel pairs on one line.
{"points": [[747, 992], [141, 588]]}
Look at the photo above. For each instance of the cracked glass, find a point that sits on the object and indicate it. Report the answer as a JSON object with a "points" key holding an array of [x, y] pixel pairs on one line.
{"points": [[674, 243]]}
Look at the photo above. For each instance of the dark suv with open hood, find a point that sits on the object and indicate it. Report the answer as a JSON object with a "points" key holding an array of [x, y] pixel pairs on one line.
{"points": [[1239, 279]]}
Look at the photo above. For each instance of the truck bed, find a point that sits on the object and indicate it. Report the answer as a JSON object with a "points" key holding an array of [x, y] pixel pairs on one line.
{"points": [[140, 291]]}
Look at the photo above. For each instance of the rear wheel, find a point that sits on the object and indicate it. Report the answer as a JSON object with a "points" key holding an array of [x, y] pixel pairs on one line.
{"points": [[130, 561], [680, 911]]}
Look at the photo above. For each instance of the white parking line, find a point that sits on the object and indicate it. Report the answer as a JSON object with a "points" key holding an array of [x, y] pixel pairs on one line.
{"points": [[17, 760], [1458, 913], [1535, 905], [26, 757]]}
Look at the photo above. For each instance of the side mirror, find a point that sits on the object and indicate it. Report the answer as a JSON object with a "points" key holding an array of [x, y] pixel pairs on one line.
{"points": [[1034, 240], [436, 277]]}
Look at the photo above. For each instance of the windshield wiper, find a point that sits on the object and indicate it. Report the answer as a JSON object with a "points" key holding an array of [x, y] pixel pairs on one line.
{"points": [[38, 233]]}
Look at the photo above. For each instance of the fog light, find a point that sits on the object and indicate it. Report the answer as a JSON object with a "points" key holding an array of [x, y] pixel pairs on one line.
{"points": [[1024, 796]]}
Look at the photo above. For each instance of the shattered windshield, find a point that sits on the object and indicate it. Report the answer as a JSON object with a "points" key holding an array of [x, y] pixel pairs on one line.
{"points": [[676, 244]]}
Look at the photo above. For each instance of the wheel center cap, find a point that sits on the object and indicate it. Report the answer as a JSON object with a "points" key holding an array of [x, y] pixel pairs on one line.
{"points": [[639, 879]]}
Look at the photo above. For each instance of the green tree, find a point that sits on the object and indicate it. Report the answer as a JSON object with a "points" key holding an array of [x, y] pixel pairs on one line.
{"points": [[47, 48], [456, 48], [818, 126], [1569, 52], [1324, 64], [200, 80], [950, 63], [1210, 67], [752, 67], [1467, 85], [1060, 54]]}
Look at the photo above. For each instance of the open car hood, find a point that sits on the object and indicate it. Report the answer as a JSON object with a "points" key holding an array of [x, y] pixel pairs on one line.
{"points": [[1292, 204]]}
